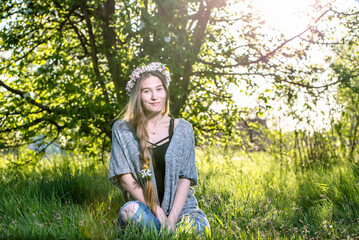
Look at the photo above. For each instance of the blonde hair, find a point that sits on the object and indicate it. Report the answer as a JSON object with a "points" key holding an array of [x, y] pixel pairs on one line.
{"points": [[135, 116]]}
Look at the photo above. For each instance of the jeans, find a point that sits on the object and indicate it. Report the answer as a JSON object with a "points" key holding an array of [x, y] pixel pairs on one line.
{"points": [[145, 218], [142, 218]]}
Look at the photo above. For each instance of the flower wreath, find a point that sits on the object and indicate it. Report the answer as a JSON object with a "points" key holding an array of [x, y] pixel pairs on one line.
{"points": [[155, 66]]}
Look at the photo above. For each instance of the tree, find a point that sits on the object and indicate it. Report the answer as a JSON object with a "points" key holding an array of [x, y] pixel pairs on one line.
{"points": [[70, 61], [346, 69], [316, 144]]}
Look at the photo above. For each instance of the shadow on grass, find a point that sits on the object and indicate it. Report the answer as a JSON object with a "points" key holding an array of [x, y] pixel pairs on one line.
{"points": [[79, 187], [69, 184], [63, 200]]}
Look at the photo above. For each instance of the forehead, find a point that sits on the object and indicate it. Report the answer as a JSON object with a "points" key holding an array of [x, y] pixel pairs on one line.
{"points": [[151, 81]]}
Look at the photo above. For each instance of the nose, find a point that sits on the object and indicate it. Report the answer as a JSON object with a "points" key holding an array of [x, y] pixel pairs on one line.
{"points": [[154, 95]]}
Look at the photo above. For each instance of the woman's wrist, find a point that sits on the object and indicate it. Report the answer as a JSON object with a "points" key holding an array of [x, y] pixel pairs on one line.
{"points": [[160, 214], [172, 217], [171, 221]]}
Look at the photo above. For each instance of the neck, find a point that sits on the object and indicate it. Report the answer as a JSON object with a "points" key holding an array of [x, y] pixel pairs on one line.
{"points": [[155, 119]]}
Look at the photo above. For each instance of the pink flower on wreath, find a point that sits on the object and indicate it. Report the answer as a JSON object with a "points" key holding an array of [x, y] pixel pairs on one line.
{"points": [[155, 66]]}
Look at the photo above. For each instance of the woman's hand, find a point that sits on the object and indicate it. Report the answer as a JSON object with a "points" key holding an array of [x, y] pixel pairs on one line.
{"points": [[178, 203], [171, 222], [161, 215]]}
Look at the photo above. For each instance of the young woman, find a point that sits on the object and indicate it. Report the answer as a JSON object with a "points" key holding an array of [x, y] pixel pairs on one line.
{"points": [[153, 157]]}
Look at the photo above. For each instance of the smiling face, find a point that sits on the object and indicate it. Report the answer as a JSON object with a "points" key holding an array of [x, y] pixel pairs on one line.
{"points": [[153, 95]]}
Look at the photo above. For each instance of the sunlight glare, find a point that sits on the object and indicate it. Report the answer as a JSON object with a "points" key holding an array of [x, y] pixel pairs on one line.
{"points": [[346, 5], [288, 16]]}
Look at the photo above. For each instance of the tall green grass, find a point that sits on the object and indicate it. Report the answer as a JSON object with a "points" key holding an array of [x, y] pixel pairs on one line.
{"points": [[259, 197], [244, 197]]}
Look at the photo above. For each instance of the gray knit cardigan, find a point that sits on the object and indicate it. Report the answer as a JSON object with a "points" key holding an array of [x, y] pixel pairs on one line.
{"points": [[180, 163]]}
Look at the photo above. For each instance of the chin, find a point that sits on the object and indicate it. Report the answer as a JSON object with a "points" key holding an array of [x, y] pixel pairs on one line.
{"points": [[157, 111], [151, 111]]}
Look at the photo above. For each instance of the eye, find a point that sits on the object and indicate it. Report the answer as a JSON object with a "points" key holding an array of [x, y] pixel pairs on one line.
{"points": [[160, 88]]}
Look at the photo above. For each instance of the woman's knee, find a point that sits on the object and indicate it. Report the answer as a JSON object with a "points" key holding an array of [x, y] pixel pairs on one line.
{"points": [[129, 210], [198, 222], [201, 225], [139, 214]]}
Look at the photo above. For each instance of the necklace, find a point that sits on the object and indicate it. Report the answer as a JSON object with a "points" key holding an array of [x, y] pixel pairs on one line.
{"points": [[156, 127], [152, 132]]}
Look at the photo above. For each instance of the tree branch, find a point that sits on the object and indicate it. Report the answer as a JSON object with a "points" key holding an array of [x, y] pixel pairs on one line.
{"points": [[23, 56], [310, 86], [342, 13], [204, 73], [94, 51], [200, 30], [67, 17], [20, 113], [228, 20], [28, 99], [217, 95], [81, 37], [26, 143], [27, 125], [109, 41], [41, 151], [265, 57]]}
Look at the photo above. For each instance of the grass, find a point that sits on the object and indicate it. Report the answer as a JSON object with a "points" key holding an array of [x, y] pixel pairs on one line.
{"points": [[244, 197]]}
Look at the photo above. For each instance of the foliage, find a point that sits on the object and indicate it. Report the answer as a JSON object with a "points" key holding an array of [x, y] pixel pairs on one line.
{"points": [[340, 139], [305, 149], [69, 61], [346, 70], [319, 145]]}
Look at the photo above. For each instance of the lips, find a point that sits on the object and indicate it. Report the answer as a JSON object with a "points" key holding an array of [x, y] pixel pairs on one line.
{"points": [[155, 103]]}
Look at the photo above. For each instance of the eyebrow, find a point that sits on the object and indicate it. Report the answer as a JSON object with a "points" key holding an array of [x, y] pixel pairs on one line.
{"points": [[161, 85]]}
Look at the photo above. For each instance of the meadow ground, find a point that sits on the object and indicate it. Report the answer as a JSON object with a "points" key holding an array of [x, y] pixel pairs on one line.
{"points": [[244, 196]]}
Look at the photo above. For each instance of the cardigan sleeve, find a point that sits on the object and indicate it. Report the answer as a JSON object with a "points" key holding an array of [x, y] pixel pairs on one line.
{"points": [[189, 169], [118, 160]]}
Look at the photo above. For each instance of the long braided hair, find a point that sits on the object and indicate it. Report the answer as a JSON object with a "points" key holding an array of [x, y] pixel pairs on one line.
{"points": [[135, 115]]}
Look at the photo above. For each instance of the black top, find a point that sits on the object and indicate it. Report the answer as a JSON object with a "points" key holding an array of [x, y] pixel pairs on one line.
{"points": [[158, 155]]}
